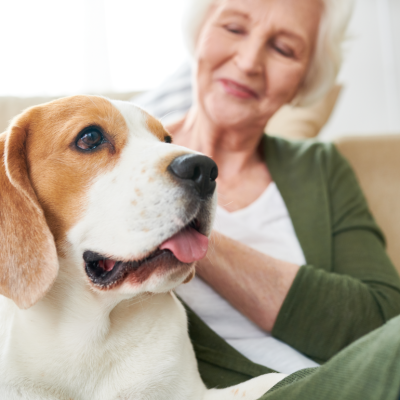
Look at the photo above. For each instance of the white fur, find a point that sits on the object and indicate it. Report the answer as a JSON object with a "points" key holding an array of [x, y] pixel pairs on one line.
{"points": [[127, 343]]}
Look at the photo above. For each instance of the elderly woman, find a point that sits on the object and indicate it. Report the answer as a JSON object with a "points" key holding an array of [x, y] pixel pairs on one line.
{"points": [[297, 266]]}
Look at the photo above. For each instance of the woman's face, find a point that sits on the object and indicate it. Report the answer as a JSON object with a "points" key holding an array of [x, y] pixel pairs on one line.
{"points": [[253, 56]]}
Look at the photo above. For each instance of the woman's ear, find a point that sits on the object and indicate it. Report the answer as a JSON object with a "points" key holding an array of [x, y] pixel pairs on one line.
{"points": [[28, 256]]}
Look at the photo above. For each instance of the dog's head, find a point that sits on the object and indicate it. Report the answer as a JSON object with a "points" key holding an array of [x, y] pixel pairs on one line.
{"points": [[98, 182]]}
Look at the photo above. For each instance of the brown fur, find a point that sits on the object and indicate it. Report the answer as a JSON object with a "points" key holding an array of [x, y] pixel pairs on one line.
{"points": [[43, 184], [156, 127], [61, 174], [166, 161], [190, 276], [28, 257]]}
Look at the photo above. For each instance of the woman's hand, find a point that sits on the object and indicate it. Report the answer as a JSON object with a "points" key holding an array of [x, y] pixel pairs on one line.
{"points": [[254, 283]]}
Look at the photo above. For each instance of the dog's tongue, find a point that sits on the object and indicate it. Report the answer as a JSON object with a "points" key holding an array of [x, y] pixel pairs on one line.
{"points": [[187, 245]]}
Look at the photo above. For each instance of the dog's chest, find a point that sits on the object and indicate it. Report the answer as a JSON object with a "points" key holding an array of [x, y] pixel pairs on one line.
{"points": [[147, 353]]}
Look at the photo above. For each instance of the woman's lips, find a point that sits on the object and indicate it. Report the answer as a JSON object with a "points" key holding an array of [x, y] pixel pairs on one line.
{"points": [[238, 90]]}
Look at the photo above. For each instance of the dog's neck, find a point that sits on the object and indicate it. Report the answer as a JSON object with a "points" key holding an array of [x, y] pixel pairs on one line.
{"points": [[73, 306], [77, 327]]}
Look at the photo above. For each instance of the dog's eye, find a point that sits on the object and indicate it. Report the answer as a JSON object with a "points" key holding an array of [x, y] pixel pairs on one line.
{"points": [[89, 139], [167, 139]]}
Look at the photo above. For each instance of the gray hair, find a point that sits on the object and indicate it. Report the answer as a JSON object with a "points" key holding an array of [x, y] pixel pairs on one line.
{"points": [[327, 58]]}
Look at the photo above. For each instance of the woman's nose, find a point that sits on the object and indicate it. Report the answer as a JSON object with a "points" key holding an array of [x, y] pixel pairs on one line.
{"points": [[249, 56]]}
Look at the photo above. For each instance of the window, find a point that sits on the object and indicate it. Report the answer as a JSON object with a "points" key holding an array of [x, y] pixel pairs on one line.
{"points": [[54, 47]]}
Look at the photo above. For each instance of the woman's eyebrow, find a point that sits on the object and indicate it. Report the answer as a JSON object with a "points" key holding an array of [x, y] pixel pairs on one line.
{"points": [[292, 35], [235, 12]]}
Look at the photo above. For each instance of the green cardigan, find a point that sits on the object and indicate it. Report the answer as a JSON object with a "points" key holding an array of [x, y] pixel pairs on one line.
{"points": [[348, 287]]}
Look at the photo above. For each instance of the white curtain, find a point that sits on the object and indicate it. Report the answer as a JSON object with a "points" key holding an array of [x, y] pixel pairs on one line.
{"points": [[370, 101], [56, 47], [60, 47]]}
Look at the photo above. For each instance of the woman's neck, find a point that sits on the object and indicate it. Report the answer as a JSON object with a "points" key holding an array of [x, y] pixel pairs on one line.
{"points": [[233, 149]]}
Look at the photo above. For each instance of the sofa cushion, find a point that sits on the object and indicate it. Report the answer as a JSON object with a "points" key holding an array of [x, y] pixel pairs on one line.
{"points": [[12, 106]]}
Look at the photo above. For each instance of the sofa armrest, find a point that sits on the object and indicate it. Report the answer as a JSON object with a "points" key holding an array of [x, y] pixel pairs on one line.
{"points": [[376, 162]]}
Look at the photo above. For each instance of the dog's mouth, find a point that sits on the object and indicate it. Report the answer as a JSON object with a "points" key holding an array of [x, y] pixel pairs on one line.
{"points": [[183, 248]]}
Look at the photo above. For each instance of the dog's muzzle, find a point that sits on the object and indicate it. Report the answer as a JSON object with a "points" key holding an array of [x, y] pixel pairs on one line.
{"points": [[195, 172]]}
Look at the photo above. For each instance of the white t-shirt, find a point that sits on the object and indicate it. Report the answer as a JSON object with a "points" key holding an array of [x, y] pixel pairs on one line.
{"points": [[264, 225]]}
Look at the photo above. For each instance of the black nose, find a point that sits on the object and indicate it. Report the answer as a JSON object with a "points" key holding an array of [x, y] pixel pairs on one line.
{"points": [[197, 171]]}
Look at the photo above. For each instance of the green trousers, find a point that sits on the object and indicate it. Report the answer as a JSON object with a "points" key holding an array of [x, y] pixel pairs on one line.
{"points": [[368, 369]]}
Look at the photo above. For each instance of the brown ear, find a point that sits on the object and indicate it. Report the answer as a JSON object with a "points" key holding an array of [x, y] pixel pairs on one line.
{"points": [[28, 257]]}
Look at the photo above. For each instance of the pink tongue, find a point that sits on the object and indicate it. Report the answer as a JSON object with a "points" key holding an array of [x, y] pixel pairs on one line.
{"points": [[187, 245], [107, 265]]}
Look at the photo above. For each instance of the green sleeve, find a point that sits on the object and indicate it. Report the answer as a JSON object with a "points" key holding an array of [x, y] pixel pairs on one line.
{"points": [[369, 369], [326, 310]]}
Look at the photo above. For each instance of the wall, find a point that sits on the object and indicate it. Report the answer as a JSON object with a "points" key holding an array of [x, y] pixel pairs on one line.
{"points": [[370, 101]]}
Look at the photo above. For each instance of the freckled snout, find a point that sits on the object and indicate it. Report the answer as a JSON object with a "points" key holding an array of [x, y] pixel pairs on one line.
{"points": [[197, 172]]}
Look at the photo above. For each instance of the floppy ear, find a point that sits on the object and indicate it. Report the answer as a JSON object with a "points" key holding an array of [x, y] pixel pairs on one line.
{"points": [[28, 257]]}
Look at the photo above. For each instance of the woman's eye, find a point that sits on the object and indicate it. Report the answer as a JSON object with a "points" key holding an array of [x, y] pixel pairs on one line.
{"points": [[89, 139], [284, 51], [233, 28]]}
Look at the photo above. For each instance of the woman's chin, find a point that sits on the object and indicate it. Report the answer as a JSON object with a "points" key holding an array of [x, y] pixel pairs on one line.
{"points": [[230, 113]]}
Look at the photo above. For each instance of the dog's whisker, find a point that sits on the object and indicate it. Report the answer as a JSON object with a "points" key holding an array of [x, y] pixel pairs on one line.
{"points": [[96, 105], [165, 116], [221, 194]]}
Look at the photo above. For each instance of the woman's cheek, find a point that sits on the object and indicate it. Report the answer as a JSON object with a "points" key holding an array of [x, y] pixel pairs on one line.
{"points": [[213, 48], [212, 54], [284, 80]]}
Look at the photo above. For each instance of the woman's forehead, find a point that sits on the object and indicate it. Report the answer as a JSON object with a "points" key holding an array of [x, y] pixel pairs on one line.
{"points": [[299, 15]]}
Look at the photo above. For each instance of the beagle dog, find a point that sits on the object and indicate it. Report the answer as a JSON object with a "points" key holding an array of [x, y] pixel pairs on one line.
{"points": [[101, 217]]}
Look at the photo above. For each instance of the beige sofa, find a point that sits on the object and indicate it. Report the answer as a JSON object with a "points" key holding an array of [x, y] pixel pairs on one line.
{"points": [[12, 106], [375, 159], [376, 162]]}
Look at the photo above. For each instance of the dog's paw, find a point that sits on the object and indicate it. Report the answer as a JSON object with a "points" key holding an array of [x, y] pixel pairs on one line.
{"points": [[250, 390]]}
